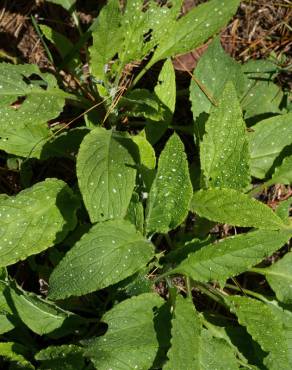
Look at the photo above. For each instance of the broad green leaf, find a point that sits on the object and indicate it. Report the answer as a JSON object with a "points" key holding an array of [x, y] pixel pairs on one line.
{"points": [[234, 208], [193, 346], [26, 105], [110, 252], [14, 352], [279, 276], [185, 332], [61, 43], [232, 256], [65, 357], [269, 138], [135, 213], [205, 20], [35, 219], [40, 315], [224, 150], [66, 4], [143, 103], [171, 192], [283, 210], [213, 70], [165, 90], [283, 173], [137, 284], [106, 174], [261, 96], [107, 37], [147, 159], [64, 145], [270, 326], [130, 341]]}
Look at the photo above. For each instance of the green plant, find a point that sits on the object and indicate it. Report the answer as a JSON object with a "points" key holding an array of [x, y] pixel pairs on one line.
{"points": [[141, 215]]}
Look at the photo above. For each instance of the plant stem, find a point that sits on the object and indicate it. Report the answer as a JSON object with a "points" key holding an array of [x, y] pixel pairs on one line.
{"points": [[189, 287], [257, 189], [247, 292], [211, 293]]}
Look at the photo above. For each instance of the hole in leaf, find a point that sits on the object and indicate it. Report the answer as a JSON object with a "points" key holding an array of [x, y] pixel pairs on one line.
{"points": [[18, 102], [35, 80], [147, 36]]}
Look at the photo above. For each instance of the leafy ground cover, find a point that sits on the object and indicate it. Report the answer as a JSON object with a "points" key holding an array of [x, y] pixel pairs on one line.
{"points": [[145, 217]]}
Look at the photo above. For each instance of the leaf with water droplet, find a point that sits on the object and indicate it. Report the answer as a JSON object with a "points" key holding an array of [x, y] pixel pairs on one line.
{"points": [[279, 276], [131, 340], [29, 99], [147, 160], [110, 252], [64, 357], [106, 173], [193, 346], [234, 208], [171, 191], [262, 95], [232, 256], [40, 315], [282, 174], [269, 325], [267, 140], [213, 70], [191, 30], [165, 91], [224, 150], [35, 219]]}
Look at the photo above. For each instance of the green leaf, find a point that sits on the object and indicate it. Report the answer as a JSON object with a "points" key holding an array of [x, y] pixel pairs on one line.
{"points": [[130, 342], [213, 70], [142, 103], [283, 173], [147, 159], [14, 353], [171, 192], [224, 150], [61, 43], [283, 210], [185, 332], [106, 174], [65, 357], [269, 325], [66, 4], [279, 276], [269, 138], [35, 219], [40, 315], [26, 105], [193, 346], [234, 208], [107, 38], [165, 90], [205, 20], [261, 96], [135, 213], [64, 145], [109, 253], [5, 312], [232, 256]]}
